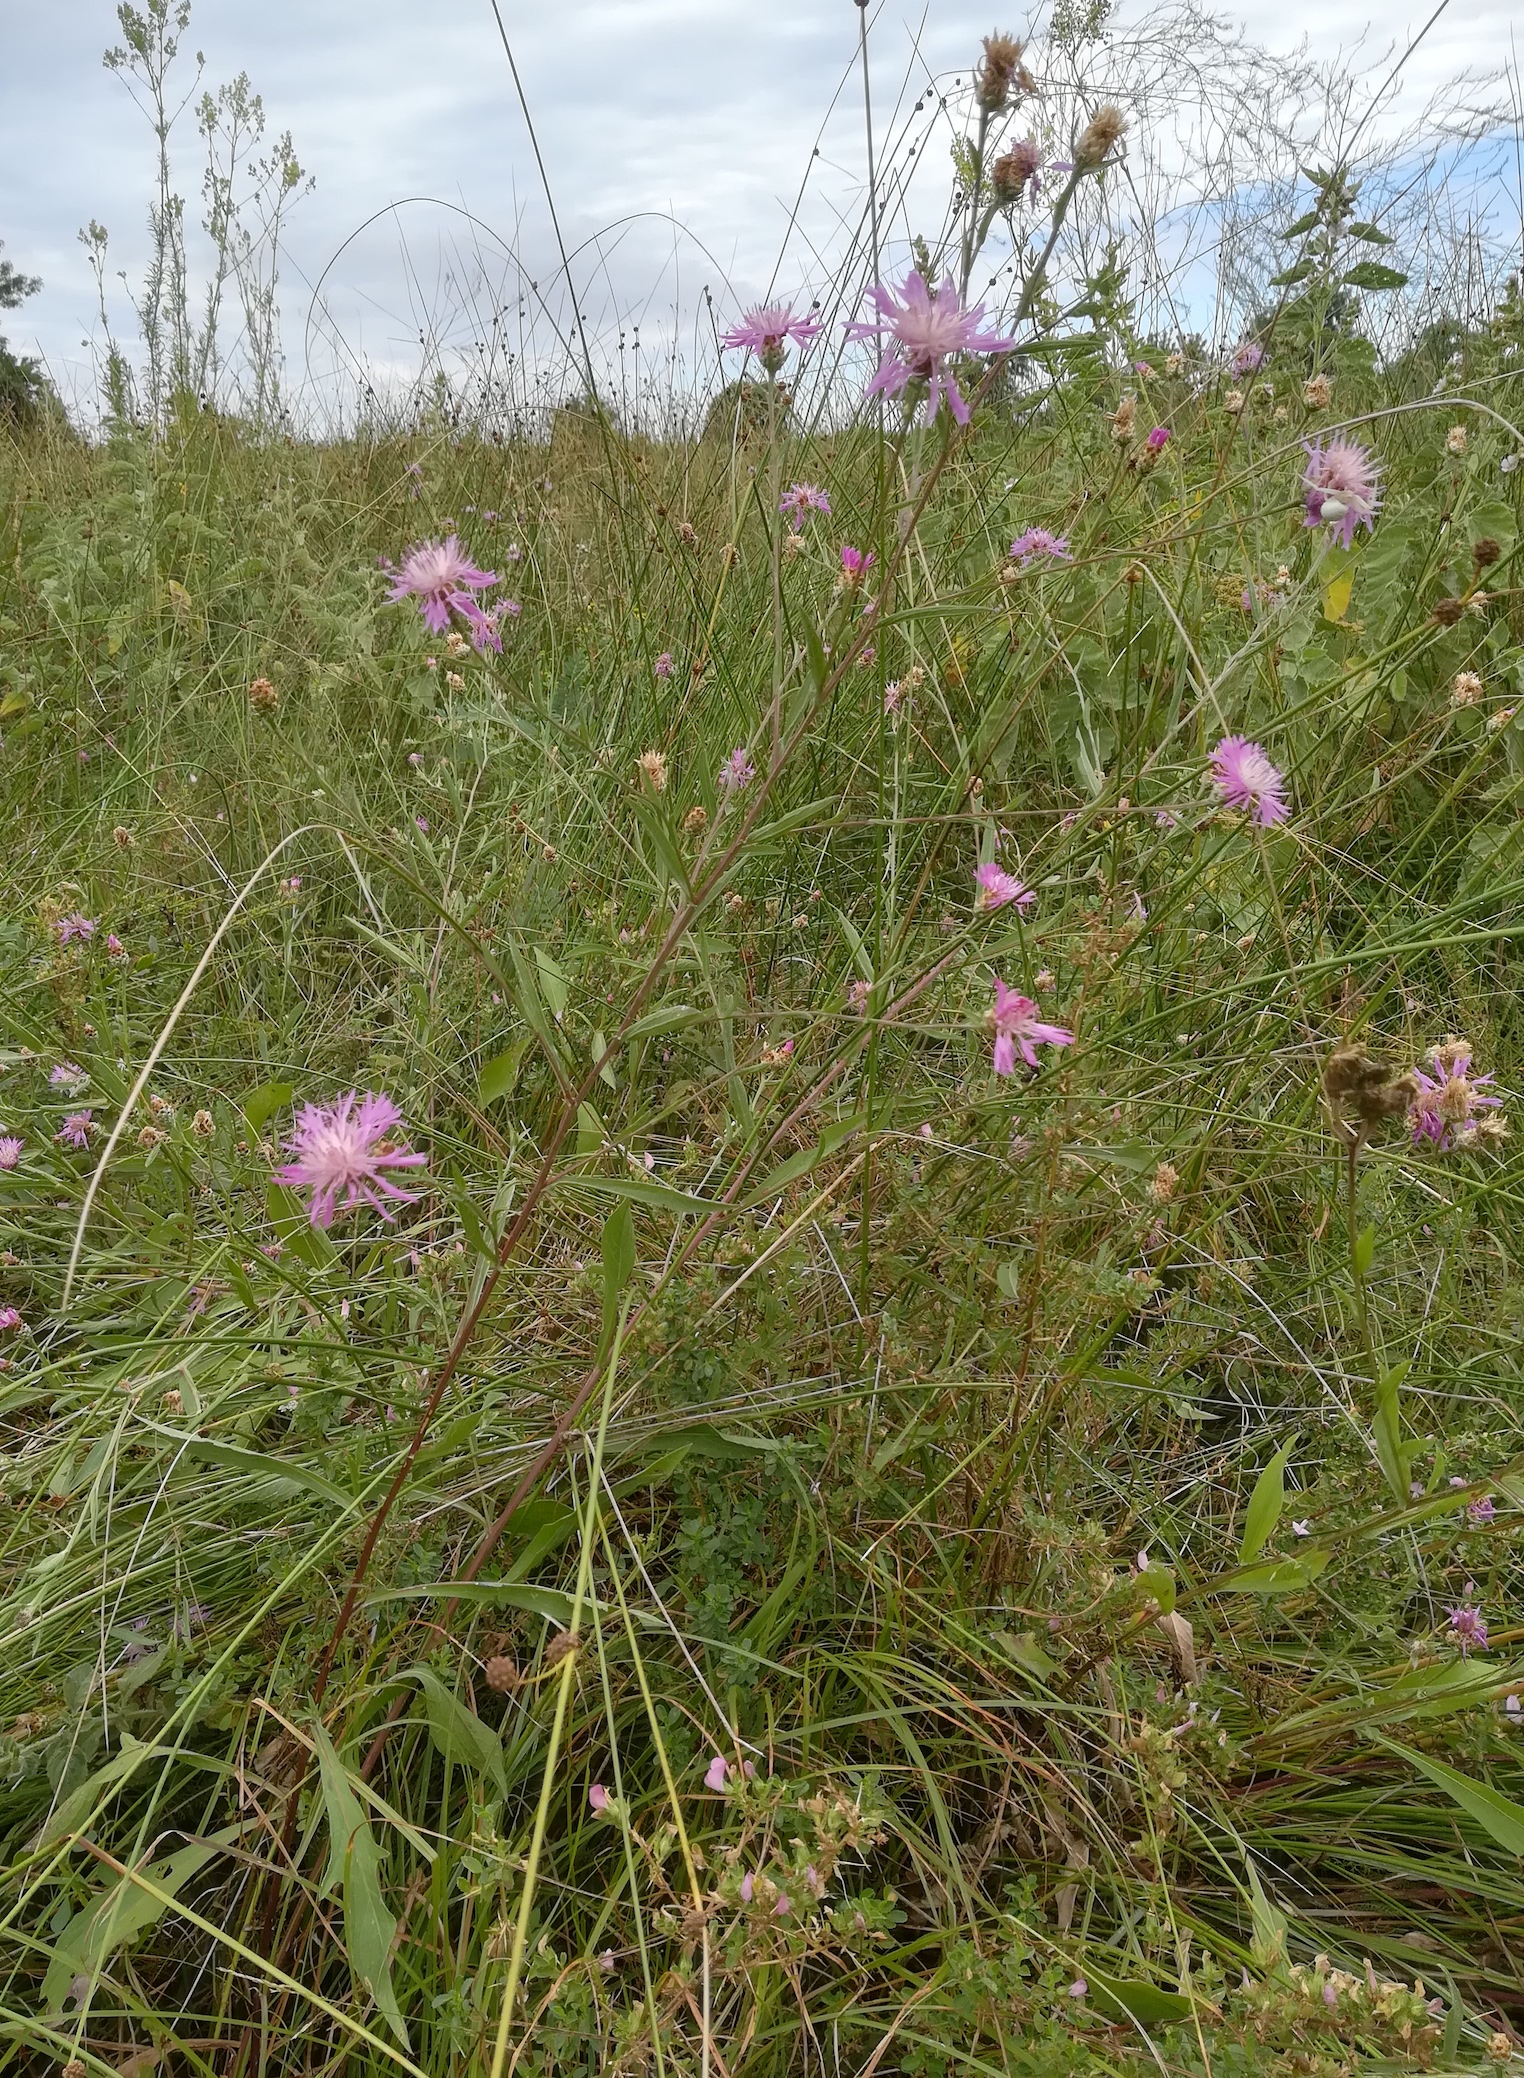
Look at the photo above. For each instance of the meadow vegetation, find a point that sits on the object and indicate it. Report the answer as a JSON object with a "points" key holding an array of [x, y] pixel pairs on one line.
{"points": [[927, 1472]]}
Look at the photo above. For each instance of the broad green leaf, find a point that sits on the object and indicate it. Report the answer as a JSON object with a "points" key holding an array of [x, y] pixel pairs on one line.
{"points": [[589, 1130], [1134, 1998], [1285, 1577], [1365, 1249], [354, 1861], [1496, 1814], [706, 1440], [457, 1734], [294, 1229], [500, 1074], [553, 982], [547, 1602], [1008, 1278], [1370, 274], [1302, 226], [1291, 275], [259, 1103], [618, 1261], [672, 1019], [1392, 1453], [1369, 234], [1265, 1505], [77, 1806], [659, 1196], [120, 1912], [289, 1472]]}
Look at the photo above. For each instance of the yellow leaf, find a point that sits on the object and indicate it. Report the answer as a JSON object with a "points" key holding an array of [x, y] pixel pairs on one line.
{"points": [[1336, 596]]}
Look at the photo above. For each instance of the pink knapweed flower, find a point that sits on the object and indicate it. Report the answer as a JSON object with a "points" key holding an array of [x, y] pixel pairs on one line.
{"points": [[737, 771], [1245, 778], [1037, 541], [800, 500], [346, 1147], [858, 994], [1481, 1509], [715, 1773], [892, 696], [442, 578], [68, 1076], [1468, 1628], [1143, 368], [76, 926], [598, 1797], [115, 949], [76, 1129], [997, 887], [663, 665], [10, 1150], [766, 331], [1248, 358], [748, 1885], [1341, 488], [9, 1318], [1159, 439], [1444, 1111], [855, 563], [925, 326], [1017, 1027]]}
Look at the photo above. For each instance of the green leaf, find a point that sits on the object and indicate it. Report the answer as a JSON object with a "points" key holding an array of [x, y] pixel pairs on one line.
{"points": [[1365, 1249], [659, 1196], [354, 1861], [1008, 1278], [500, 1074], [1369, 234], [553, 982], [1370, 274], [703, 1439], [1291, 275], [259, 1103], [1496, 1814], [290, 1473], [1392, 1453], [1285, 1577], [118, 1914], [1134, 1998], [1302, 226], [551, 1603], [1265, 1505], [294, 1228], [618, 1261], [458, 1735]]}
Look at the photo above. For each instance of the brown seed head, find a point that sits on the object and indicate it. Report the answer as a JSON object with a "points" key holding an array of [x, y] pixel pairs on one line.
{"points": [[263, 697], [1448, 611], [203, 1125], [1317, 392], [1014, 171], [1485, 552], [1166, 1180], [696, 819], [1101, 136], [1362, 1093], [563, 1645], [502, 1674], [998, 71], [123, 838]]}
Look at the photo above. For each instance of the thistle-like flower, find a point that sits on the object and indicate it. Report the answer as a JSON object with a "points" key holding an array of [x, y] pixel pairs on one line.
{"points": [[1017, 1028], [1467, 1628], [443, 579], [925, 327], [737, 771], [855, 565], [341, 1152], [1446, 1104], [1247, 359], [995, 887], [1017, 172], [1246, 779], [662, 668], [76, 1129], [11, 1148], [766, 331], [1341, 488], [1037, 541], [75, 926], [800, 500]]}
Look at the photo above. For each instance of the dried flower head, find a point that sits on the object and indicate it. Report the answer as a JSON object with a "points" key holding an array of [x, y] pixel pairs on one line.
{"points": [[263, 697], [1317, 392], [998, 72], [1465, 689], [123, 838], [203, 1125], [1457, 441], [1101, 136], [1166, 1181], [1017, 172], [1448, 611], [1233, 402], [1484, 553], [1124, 419], [1362, 1094], [652, 766], [696, 819], [501, 1674]]}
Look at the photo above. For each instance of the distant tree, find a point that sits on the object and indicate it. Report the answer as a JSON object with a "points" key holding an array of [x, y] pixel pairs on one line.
{"points": [[21, 380]]}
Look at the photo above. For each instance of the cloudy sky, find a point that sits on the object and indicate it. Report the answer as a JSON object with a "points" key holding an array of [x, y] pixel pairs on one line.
{"points": [[703, 111]]}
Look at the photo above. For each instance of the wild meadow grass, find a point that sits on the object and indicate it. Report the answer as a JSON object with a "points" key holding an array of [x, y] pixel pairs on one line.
{"points": [[788, 1549]]}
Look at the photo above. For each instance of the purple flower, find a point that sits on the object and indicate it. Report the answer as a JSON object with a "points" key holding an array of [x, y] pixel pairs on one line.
{"points": [[1245, 778], [1248, 358], [1480, 1509], [598, 1797], [858, 994], [997, 887], [1142, 368], [1340, 483], [10, 1150], [748, 1885], [9, 1318], [715, 1773], [442, 578], [766, 329], [855, 563], [782, 1909], [1468, 1628], [925, 327], [801, 500], [663, 665], [1444, 1112], [1037, 541], [1016, 1026], [75, 926], [76, 1130], [737, 771], [114, 947], [345, 1147], [1159, 439]]}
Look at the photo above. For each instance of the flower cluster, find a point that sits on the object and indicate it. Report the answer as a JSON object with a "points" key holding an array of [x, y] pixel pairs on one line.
{"points": [[1448, 1110]]}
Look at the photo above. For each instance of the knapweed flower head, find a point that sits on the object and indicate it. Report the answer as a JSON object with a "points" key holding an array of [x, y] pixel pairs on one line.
{"points": [[1247, 359], [1100, 137], [1037, 541], [999, 71], [925, 326], [1457, 440], [74, 927], [855, 564], [1446, 1111], [737, 771], [76, 1129], [662, 668], [69, 1077], [1017, 1028], [10, 1150], [1481, 1509], [1341, 488], [995, 887], [1317, 392], [1467, 1628], [1159, 439], [441, 576], [652, 767], [767, 329], [1017, 172], [341, 1153], [9, 1319], [1246, 779], [800, 500]]}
